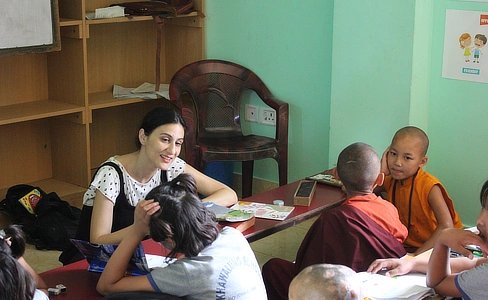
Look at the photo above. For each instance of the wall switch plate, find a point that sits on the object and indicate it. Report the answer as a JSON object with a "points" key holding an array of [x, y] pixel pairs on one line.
{"points": [[268, 116], [251, 113]]}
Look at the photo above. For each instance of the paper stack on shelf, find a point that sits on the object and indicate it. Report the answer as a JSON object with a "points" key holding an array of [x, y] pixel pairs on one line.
{"points": [[144, 91]]}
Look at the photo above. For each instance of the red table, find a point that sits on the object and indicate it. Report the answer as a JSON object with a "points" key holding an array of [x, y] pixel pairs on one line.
{"points": [[81, 284], [325, 197]]}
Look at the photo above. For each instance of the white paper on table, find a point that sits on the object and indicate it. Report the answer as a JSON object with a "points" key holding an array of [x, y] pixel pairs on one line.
{"points": [[157, 261]]}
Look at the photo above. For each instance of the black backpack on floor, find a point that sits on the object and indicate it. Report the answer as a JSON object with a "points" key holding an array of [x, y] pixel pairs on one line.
{"points": [[51, 226]]}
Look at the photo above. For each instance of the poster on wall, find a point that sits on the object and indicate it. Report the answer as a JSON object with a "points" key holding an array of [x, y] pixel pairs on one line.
{"points": [[465, 50]]}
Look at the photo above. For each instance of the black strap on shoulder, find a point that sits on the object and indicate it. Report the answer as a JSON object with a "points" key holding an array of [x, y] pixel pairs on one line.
{"points": [[123, 216], [122, 206]]}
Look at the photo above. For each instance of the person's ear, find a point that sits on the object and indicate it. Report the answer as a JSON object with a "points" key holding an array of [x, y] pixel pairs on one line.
{"points": [[142, 136], [423, 161], [335, 174], [379, 180]]}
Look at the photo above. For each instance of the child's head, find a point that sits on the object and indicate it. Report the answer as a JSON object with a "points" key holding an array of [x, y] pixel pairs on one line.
{"points": [[464, 40], [484, 195], [480, 40], [13, 237], [16, 282], [183, 224], [407, 152], [325, 281], [482, 220], [358, 167]]}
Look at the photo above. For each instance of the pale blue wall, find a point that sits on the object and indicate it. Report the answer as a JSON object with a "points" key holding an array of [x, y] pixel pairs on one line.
{"points": [[358, 70]]}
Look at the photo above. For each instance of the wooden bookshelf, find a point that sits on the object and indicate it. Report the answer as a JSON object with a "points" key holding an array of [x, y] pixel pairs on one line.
{"points": [[58, 119]]}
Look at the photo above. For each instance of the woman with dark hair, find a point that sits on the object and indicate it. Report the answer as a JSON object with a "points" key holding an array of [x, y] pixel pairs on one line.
{"points": [[211, 263], [121, 181], [18, 281]]}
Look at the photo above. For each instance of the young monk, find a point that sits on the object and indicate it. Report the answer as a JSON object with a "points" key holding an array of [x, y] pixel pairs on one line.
{"points": [[422, 201], [364, 221], [326, 281]]}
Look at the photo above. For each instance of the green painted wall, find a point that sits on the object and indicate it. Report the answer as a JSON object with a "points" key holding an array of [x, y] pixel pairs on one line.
{"points": [[289, 45], [458, 123], [371, 72], [358, 70]]}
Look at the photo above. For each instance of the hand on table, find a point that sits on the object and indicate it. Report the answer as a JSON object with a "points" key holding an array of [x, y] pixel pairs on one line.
{"points": [[394, 266]]}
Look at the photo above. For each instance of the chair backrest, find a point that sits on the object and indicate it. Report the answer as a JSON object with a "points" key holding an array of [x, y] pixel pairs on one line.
{"points": [[216, 88]]}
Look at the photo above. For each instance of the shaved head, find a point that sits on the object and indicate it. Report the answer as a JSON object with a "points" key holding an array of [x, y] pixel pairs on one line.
{"points": [[413, 133], [326, 281], [358, 167]]}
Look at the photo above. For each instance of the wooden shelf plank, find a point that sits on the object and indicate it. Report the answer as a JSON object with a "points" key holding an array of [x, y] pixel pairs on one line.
{"points": [[133, 19], [69, 22], [105, 99], [36, 110]]}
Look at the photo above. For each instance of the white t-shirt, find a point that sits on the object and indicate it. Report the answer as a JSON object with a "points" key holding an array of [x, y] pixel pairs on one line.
{"points": [[226, 269], [107, 182], [40, 295]]}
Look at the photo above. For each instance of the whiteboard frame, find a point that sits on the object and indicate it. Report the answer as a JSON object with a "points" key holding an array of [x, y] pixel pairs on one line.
{"points": [[56, 44]]}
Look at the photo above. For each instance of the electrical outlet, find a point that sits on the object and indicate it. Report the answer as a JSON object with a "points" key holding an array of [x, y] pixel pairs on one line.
{"points": [[268, 116], [251, 113]]}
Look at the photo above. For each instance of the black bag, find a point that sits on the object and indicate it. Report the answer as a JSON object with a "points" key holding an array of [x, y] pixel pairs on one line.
{"points": [[15, 210], [54, 222]]}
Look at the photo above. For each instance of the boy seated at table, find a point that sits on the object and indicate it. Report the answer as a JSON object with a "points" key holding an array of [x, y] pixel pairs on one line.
{"points": [[326, 281], [453, 277], [422, 202], [363, 228]]}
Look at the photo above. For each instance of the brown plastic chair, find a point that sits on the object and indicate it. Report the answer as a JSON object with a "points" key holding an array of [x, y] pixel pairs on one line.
{"points": [[213, 114]]}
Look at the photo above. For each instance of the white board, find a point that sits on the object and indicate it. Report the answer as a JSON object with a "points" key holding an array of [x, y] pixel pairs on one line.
{"points": [[27, 23]]}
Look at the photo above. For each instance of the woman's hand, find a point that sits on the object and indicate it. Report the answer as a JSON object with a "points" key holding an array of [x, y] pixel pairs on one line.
{"points": [[142, 215]]}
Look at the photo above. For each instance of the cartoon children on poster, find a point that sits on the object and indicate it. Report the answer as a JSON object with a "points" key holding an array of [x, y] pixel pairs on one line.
{"points": [[479, 42], [464, 41]]}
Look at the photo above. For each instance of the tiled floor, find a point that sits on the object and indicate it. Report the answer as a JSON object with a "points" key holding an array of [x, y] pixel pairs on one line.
{"points": [[283, 244], [41, 260]]}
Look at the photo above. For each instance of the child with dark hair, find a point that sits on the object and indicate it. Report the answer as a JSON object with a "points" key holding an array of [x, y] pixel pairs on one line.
{"points": [[212, 263], [18, 279]]}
